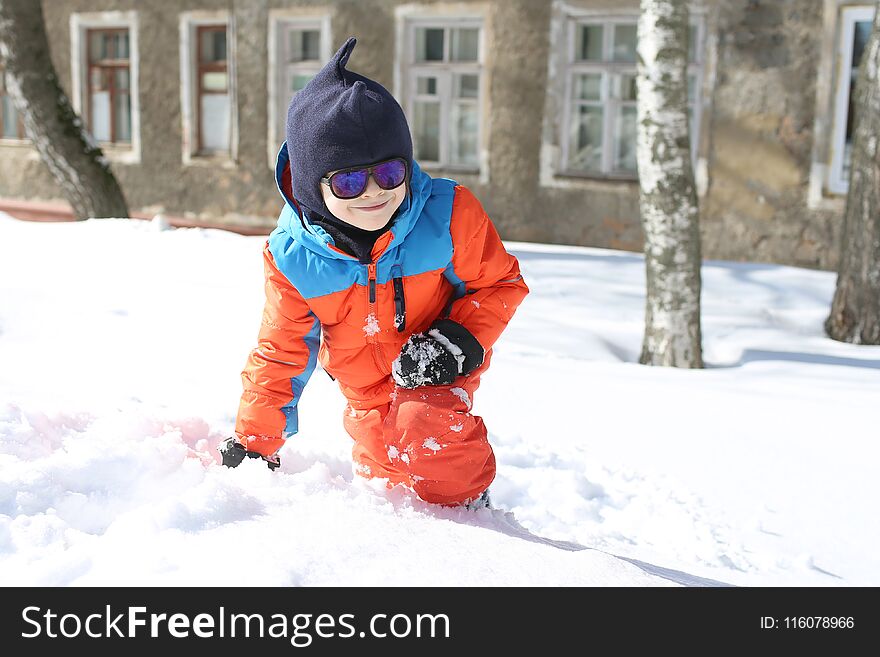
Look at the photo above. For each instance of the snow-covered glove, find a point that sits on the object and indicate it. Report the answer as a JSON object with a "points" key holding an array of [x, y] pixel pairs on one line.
{"points": [[233, 453], [437, 357]]}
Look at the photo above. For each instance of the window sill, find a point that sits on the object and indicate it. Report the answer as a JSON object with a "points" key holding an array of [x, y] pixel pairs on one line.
{"points": [[444, 168], [829, 202], [598, 177], [209, 160], [16, 143], [579, 181], [120, 154]]}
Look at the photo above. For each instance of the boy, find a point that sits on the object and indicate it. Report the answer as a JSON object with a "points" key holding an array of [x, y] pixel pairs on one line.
{"points": [[397, 282]]}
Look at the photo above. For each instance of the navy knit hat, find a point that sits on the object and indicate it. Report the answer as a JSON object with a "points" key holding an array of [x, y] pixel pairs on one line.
{"points": [[341, 119]]}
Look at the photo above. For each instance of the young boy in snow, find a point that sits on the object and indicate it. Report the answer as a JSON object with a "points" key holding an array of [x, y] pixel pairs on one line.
{"points": [[397, 282]]}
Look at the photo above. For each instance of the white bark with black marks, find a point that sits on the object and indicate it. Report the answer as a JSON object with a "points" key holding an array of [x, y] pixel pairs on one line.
{"points": [[667, 195], [855, 309], [74, 160]]}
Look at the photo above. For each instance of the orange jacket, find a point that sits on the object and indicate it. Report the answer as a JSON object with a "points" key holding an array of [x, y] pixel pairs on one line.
{"points": [[441, 258]]}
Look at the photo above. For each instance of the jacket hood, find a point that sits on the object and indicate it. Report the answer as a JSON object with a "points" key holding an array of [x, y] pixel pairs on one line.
{"points": [[295, 222]]}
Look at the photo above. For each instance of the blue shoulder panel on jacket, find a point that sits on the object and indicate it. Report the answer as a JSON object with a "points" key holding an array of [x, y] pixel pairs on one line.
{"points": [[426, 247]]}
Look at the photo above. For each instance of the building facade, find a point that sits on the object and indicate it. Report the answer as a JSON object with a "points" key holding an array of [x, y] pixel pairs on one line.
{"points": [[531, 103]]}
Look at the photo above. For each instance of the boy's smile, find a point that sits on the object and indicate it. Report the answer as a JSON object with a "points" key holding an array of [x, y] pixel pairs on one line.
{"points": [[371, 210]]}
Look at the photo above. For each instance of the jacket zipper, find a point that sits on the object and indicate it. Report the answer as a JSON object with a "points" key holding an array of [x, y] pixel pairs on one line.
{"points": [[373, 318]]}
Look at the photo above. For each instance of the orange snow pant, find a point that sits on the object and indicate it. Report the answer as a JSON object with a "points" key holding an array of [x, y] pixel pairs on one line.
{"points": [[425, 438]]}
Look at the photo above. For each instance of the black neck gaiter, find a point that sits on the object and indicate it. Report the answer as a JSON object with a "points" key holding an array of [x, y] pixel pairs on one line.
{"points": [[351, 239]]}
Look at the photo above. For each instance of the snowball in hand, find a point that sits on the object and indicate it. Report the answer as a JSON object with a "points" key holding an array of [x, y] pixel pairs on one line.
{"points": [[424, 361]]}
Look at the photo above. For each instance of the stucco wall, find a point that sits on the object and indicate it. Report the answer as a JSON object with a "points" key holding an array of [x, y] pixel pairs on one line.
{"points": [[761, 135], [755, 148]]}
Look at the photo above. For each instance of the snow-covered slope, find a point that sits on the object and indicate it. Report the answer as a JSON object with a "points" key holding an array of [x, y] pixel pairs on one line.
{"points": [[120, 350]]}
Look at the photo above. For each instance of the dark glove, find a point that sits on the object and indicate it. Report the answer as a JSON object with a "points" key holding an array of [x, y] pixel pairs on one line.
{"points": [[437, 357], [233, 453]]}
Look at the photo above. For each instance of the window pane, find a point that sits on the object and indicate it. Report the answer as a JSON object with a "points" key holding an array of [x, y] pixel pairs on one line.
{"points": [[97, 46], [426, 86], [305, 45], [120, 44], [860, 39], [214, 81], [692, 88], [692, 43], [100, 79], [589, 43], [214, 124], [10, 117], [465, 124], [628, 87], [624, 49], [100, 123], [123, 118], [429, 44], [588, 86], [426, 129], [299, 80], [213, 46], [467, 86], [122, 78], [625, 151], [585, 139], [465, 44]]}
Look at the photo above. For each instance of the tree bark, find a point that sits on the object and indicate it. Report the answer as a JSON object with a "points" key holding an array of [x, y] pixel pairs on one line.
{"points": [[855, 309], [74, 160], [667, 194]]}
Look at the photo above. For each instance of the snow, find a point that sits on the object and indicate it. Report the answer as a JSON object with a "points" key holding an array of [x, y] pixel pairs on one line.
{"points": [[450, 346], [462, 394], [432, 444], [371, 327], [120, 352], [423, 354]]}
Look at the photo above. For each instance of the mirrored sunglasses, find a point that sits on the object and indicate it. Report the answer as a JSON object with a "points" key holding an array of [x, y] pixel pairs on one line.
{"points": [[351, 183]]}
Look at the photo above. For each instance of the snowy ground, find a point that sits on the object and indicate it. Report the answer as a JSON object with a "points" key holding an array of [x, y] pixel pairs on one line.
{"points": [[120, 352]]}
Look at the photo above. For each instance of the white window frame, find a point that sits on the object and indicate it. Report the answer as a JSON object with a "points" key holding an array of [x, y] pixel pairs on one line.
{"points": [[80, 23], [189, 24], [849, 16], [408, 70], [280, 20], [607, 68]]}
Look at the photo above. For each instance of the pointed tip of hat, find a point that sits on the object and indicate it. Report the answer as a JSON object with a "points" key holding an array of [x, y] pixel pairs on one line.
{"points": [[342, 55]]}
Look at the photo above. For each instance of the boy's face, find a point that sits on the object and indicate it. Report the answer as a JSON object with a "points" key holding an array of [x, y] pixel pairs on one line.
{"points": [[369, 211]]}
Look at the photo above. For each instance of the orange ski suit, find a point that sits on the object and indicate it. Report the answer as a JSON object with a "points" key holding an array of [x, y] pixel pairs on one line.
{"points": [[442, 257]]}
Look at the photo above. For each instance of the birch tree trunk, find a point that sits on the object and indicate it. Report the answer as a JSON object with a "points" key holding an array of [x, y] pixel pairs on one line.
{"points": [[667, 195], [855, 309], [74, 160]]}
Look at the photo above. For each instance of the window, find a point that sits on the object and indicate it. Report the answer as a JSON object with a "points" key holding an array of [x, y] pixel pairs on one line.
{"points": [[207, 87], [212, 118], [109, 83], [855, 28], [104, 73], [599, 116], [443, 76], [11, 124], [298, 48]]}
